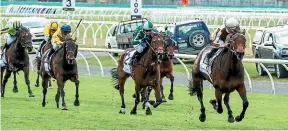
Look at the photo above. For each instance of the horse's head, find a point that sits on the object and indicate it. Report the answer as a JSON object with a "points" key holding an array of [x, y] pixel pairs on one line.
{"points": [[157, 44], [25, 38], [70, 48], [169, 47], [238, 45]]}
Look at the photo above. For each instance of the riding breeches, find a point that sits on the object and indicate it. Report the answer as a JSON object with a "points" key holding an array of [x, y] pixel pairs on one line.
{"points": [[56, 46], [139, 48], [10, 39]]}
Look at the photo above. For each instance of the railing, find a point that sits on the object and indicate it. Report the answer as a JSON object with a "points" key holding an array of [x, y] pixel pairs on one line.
{"points": [[178, 56]]}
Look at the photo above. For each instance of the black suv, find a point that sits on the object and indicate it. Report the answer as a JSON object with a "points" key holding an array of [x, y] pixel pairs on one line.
{"points": [[271, 43]]}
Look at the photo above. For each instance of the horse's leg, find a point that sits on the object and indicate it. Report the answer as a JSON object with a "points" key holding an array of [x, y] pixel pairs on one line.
{"points": [[76, 81], [218, 96], [26, 75], [146, 102], [45, 79], [197, 86], [137, 99], [1, 84], [50, 84], [162, 93], [5, 80], [38, 72], [226, 102], [122, 81], [242, 92], [57, 97], [62, 93], [171, 97], [15, 88], [157, 95]]}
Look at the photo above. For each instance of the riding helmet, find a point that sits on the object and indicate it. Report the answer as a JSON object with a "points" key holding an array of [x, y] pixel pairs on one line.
{"points": [[66, 28], [231, 23], [148, 25], [54, 25]]}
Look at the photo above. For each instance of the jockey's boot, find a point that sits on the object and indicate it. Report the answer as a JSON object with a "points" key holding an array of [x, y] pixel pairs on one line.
{"points": [[39, 49], [4, 47], [135, 58], [49, 55]]}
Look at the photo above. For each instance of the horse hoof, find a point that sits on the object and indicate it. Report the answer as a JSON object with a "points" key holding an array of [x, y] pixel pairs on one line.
{"points": [[231, 119], [15, 90], [164, 100], [151, 102], [31, 95], [65, 108], [171, 97], [76, 103], [122, 111], [36, 85], [43, 104], [238, 119], [134, 95], [202, 117], [133, 113], [148, 112], [220, 110]]}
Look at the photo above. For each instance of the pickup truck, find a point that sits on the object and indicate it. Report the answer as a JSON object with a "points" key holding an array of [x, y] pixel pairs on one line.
{"points": [[271, 43], [122, 34]]}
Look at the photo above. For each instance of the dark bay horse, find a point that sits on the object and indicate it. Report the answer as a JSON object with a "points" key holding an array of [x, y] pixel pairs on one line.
{"points": [[63, 67], [227, 75], [145, 73], [166, 69], [17, 59], [37, 61]]}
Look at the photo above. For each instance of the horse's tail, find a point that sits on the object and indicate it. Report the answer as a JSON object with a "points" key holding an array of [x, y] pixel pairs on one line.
{"points": [[36, 61], [114, 74]]}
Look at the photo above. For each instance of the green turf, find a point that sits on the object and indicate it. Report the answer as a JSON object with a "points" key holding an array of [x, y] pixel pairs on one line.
{"points": [[100, 104]]}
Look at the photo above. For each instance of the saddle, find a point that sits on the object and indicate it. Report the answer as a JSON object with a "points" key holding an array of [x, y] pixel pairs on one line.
{"points": [[48, 65]]}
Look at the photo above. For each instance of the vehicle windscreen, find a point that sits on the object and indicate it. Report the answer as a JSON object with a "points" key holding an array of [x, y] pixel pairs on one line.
{"points": [[257, 36], [130, 27], [186, 29], [282, 37], [33, 24]]}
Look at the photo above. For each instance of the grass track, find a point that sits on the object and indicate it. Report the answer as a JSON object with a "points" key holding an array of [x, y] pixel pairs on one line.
{"points": [[100, 103]]}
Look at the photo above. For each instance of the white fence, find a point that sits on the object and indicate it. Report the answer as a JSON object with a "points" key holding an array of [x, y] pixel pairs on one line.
{"points": [[178, 56]]}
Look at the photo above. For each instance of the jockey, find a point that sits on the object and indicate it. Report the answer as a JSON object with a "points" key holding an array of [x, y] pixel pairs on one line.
{"points": [[49, 30], [143, 36], [12, 31], [232, 26], [58, 39]]}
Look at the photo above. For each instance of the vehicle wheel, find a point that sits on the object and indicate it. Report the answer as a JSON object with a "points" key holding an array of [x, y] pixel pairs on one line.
{"points": [[113, 54], [281, 72], [198, 40]]}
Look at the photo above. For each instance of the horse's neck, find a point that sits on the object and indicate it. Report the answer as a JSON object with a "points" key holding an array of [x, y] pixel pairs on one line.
{"points": [[18, 48], [148, 58], [230, 60]]}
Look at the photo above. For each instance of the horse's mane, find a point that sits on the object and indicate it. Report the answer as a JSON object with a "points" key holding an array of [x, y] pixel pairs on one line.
{"points": [[238, 36]]}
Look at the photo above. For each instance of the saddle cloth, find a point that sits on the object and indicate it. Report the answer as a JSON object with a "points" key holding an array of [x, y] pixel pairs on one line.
{"points": [[47, 66], [206, 64], [127, 61]]}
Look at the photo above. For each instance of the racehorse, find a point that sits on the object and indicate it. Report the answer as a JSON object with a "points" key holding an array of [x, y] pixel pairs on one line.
{"points": [[227, 75], [166, 70], [17, 59], [37, 62], [63, 67], [146, 72]]}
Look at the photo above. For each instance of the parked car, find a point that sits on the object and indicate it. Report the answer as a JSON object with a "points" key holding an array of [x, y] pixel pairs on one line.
{"points": [[191, 36], [122, 34], [36, 26], [273, 44]]}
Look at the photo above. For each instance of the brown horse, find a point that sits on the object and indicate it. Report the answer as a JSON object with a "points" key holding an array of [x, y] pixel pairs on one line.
{"points": [[227, 75], [166, 70], [145, 73], [63, 67], [37, 62], [17, 59]]}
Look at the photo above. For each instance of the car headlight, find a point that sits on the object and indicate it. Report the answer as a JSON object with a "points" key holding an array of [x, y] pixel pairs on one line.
{"points": [[284, 51]]}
